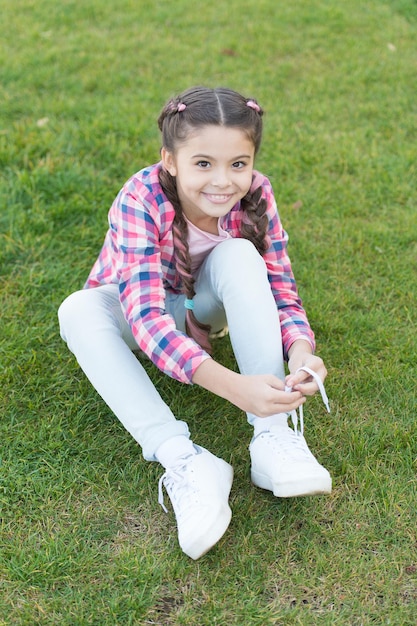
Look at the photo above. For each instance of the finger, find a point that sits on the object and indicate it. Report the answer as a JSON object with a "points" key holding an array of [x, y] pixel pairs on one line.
{"points": [[276, 383], [292, 406], [290, 400], [299, 377], [307, 389], [302, 376]]}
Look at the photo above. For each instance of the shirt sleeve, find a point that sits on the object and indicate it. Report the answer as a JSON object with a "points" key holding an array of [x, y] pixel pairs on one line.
{"points": [[134, 232], [292, 316]]}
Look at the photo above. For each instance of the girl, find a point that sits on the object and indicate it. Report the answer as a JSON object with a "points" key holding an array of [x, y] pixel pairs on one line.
{"points": [[195, 245]]}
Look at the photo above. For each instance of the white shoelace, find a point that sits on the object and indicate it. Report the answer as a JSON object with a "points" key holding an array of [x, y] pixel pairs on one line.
{"points": [[294, 416], [167, 478], [173, 476]]}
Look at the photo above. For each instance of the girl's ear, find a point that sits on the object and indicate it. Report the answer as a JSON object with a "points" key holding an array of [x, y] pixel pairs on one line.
{"points": [[168, 161]]}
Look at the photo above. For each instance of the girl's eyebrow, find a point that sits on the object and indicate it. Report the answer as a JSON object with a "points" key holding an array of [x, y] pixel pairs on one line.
{"points": [[206, 156]]}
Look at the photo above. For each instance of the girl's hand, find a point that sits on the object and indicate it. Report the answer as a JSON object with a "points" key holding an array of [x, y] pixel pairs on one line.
{"points": [[264, 395], [302, 381]]}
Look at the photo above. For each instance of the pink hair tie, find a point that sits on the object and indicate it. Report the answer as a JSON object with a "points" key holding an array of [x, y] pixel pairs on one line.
{"points": [[181, 106], [254, 105]]}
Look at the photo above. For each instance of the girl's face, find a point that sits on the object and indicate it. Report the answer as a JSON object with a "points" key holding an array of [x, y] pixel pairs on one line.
{"points": [[213, 169]]}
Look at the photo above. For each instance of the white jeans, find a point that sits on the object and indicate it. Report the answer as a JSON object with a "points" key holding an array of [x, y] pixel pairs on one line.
{"points": [[232, 288]]}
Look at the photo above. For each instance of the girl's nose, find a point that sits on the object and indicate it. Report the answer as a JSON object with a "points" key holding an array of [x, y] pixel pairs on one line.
{"points": [[221, 179]]}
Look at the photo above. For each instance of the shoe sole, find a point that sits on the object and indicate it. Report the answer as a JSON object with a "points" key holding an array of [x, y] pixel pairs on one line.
{"points": [[312, 486], [212, 534]]}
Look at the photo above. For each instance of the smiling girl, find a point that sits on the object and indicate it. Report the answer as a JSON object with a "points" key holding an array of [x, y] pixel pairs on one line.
{"points": [[195, 246]]}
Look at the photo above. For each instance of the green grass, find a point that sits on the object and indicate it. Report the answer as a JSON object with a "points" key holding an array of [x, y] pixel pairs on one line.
{"points": [[83, 540]]}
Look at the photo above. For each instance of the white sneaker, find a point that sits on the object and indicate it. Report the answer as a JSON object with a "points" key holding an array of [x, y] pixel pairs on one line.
{"points": [[282, 461], [283, 464], [199, 487]]}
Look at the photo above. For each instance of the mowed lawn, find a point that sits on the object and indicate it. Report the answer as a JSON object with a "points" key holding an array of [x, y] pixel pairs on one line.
{"points": [[83, 539]]}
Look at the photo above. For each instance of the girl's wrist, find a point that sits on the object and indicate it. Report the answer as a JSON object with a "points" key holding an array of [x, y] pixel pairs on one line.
{"points": [[300, 347], [216, 378]]}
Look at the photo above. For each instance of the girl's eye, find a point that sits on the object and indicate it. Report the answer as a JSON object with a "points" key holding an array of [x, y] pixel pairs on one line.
{"points": [[238, 165], [203, 164]]}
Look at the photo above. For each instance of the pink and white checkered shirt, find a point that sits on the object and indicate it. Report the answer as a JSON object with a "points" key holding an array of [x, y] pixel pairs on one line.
{"points": [[138, 255]]}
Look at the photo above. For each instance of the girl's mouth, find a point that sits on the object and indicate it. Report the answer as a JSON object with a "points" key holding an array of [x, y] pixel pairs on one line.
{"points": [[218, 198]]}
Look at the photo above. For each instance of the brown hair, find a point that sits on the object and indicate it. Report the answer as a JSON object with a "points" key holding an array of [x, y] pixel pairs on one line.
{"points": [[195, 108]]}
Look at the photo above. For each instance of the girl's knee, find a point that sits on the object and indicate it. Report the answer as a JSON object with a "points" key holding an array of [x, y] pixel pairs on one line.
{"points": [[83, 306], [88, 302], [241, 258], [69, 306], [237, 245], [71, 309], [90, 311]]}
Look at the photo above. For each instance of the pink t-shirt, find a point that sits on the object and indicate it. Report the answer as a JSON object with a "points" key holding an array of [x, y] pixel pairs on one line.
{"points": [[200, 243]]}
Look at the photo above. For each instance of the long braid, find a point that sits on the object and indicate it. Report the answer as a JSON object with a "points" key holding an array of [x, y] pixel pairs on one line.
{"points": [[255, 208], [197, 330]]}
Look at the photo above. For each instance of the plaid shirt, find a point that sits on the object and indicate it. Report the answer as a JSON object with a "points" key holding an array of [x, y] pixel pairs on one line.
{"points": [[138, 255]]}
